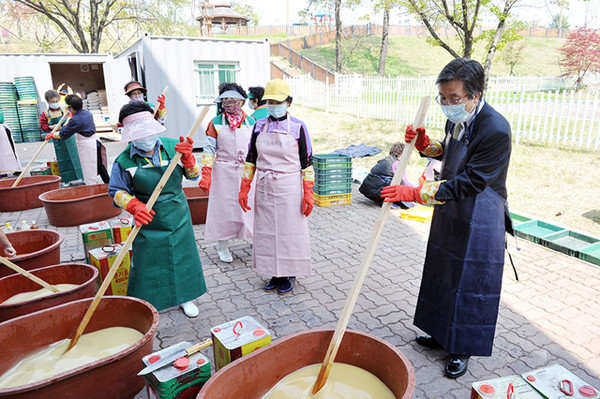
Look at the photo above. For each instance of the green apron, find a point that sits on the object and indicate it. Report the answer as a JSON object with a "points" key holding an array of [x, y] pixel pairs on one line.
{"points": [[67, 155], [166, 265]]}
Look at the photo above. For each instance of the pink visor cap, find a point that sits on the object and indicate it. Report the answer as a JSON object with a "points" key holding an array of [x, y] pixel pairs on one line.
{"points": [[140, 125]]}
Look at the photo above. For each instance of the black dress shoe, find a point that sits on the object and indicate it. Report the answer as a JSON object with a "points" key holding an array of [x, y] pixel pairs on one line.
{"points": [[456, 366], [286, 284], [428, 341], [272, 284]]}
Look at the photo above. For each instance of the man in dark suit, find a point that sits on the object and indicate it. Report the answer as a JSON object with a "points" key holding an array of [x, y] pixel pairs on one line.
{"points": [[462, 276]]}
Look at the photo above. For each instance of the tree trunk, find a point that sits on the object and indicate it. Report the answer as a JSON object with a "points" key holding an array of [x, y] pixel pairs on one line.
{"points": [[384, 41], [338, 37]]}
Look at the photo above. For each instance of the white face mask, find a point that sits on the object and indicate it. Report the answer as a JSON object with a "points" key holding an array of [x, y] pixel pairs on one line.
{"points": [[277, 110], [54, 105], [146, 144]]}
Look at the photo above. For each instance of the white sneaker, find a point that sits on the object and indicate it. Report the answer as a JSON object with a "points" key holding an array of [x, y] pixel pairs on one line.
{"points": [[223, 251], [190, 309]]}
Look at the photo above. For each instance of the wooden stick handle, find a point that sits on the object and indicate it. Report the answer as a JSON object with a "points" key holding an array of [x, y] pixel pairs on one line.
{"points": [[365, 263], [28, 275], [39, 150], [166, 89], [199, 346], [111, 273]]}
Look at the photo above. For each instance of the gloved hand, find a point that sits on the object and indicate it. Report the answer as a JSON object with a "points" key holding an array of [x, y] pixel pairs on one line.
{"points": [[308, 201], [10, 251], [185, 148], [422, 141], [243, 195], [49, 136], [161, 101], [140, 214], [401, 193], [206, 175]]}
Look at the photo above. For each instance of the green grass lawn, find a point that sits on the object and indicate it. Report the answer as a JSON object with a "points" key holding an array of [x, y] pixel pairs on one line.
{"points": [[412, 55], [550, 182]]}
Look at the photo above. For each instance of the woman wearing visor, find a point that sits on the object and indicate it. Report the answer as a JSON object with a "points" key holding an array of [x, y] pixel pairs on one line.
{"points": [[227, 138], [166, 265], [280, 153]]}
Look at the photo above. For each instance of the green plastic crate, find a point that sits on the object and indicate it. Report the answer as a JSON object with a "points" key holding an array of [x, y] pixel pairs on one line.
{"points": [[591, 253], [331, 161], [329, 175], [568, 242], [535, 230], [518, 219], [333, 180], [331, 189]]}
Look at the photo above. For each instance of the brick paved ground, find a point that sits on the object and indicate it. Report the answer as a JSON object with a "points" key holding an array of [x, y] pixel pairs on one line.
{"points": [[550, 316]]}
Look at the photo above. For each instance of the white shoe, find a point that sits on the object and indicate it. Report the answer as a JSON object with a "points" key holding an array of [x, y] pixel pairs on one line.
{"points": [[190, 309], [223, 251]]}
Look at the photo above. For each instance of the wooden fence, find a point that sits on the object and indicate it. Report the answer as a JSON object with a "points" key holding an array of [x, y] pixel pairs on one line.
{"points": [[559, 117]]}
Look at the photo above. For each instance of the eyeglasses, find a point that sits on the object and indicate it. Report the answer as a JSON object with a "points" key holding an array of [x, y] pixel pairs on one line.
{"points": [[451, 101]]}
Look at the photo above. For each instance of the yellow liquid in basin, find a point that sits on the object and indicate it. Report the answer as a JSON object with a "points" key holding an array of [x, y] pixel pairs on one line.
{"points": [[344, 382], [50, 360], [26, 296]]}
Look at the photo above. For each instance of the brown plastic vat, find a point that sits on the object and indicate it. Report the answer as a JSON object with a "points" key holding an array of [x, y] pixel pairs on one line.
{"points": [[198, 203], [113, 377], [254, 375], [79, 205], [35, 249], [26, 194], [67, 273]]}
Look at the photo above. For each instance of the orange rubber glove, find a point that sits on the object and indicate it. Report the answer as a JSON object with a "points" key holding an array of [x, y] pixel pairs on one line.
{"points": [[140, 214], [308, 201], [422, 141], [401, 193], [49, 136], [161, 101], [205, 181], [185, 148], [243, 195]]}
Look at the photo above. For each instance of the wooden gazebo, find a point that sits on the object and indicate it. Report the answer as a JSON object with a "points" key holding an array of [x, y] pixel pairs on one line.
{"points": [[219, 12]]}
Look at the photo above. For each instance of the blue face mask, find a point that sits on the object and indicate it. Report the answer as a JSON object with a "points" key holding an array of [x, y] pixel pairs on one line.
{"points": [[146, 144], [277, 110], [457, 113]]}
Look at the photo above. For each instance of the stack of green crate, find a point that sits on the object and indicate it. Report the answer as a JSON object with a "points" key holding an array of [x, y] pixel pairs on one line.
{"points": [[29, 113], [8, 106], [333, 179]]}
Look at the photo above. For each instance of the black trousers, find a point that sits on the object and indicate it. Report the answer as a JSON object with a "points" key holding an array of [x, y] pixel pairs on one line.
{"points": [[101, 168]]}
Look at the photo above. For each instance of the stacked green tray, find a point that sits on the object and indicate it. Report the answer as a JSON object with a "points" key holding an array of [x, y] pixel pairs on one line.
{"points": [[8, 105], [30, 122], [26, 88], [333, 177]]}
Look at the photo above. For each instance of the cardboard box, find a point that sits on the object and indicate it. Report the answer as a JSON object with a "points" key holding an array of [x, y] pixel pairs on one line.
{"points": [[121, 228], [169, 382], [45, 171], [103, 258], [54, 167], [95, 235], [237, 338]]}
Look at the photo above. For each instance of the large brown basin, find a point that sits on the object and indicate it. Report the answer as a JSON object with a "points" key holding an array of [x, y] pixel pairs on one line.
{"points": [[112, 377], [198, 203], [253, 375], [26, 194], [35, 248], [67, 273], [79, 205]]}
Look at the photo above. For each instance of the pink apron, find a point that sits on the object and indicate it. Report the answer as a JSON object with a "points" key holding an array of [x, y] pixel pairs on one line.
{"points": [[225, 219], [281, 241]]}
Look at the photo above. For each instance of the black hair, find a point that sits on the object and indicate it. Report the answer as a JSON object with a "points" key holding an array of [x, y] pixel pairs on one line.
{"points": [[258, 92], [289, 100], [50, 94], [397, 149], [470, 72], [133, 108], [74, 101]]}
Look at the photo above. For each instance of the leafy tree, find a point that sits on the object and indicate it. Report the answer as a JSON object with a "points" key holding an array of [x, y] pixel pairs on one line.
{"points": [[559, 21], [581, 54], [247, 11], [512, 54], [336, 5]]}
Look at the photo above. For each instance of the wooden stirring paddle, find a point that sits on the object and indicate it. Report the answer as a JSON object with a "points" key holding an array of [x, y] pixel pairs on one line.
{"points": [[30, 276]]}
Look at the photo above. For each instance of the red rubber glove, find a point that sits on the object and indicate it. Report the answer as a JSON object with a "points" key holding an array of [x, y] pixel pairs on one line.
{"points": [[185, 148], [422, 141], [243, 195], [205, 182], [161, 101], [140, 214], [49, 136], [308, 201], [402, 193]]}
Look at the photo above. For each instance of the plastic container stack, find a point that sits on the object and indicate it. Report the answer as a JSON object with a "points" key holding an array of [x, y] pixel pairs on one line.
{"points": [[333, 179], [28, 109], [8, 105]]}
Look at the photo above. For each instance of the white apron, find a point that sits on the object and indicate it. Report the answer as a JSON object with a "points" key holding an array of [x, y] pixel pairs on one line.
{"points": [[225, 219], [86, 147], [281, 241], [9, 160]]}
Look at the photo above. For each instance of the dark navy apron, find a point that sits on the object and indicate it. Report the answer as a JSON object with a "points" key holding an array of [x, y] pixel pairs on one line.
{"points": [[462, 276]]}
